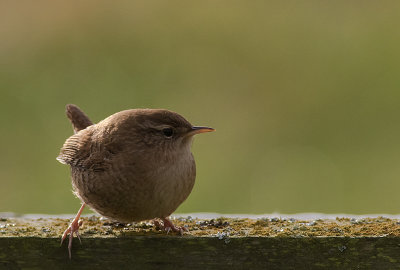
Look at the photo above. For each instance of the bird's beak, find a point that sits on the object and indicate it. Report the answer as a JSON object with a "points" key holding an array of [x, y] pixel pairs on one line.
{"points": [[196, 130]]}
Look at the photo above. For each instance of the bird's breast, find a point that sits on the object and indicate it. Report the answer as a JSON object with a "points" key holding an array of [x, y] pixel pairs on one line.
{"points": [[133, 190]]}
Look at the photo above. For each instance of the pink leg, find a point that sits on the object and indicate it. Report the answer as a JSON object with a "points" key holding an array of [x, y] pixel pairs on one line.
{"points": [[169, 226], [73, 229]]}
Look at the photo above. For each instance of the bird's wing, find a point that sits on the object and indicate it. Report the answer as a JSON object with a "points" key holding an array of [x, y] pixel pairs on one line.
{"points": [[81, 150]]}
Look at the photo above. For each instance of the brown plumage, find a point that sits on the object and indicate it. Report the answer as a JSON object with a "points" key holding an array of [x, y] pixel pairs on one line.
{"points": [[78, 118], [134, 165]]}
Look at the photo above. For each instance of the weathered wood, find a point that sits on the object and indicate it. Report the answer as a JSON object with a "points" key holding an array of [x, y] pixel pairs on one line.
{"points": [[210, 244]]}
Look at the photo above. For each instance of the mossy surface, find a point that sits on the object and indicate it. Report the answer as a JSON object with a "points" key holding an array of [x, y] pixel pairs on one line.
{"points": [[222, 243], [95, 226]]}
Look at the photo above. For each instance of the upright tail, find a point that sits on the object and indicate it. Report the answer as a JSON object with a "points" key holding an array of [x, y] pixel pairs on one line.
{"points": [[78, 118]]}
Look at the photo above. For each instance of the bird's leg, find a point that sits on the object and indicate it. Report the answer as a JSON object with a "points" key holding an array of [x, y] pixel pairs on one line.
{"points": [[169, 226], [73, 229]]}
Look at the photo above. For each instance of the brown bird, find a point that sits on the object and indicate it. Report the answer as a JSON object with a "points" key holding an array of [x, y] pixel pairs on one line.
{"points": [[134, 165]]}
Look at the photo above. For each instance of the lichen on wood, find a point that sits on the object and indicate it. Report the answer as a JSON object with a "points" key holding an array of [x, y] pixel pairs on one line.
{"points": [[209, 243]]}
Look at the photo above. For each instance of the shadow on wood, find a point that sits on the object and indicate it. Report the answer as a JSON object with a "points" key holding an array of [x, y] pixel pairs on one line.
{"points": [[202, 253]]}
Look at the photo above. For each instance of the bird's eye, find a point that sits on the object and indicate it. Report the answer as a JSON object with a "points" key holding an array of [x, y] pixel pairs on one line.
{"points": [[168, 132]]}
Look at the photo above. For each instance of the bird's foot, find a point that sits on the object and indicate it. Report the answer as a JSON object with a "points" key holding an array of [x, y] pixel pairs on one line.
{"points": [[72, 229], [168, 226]]}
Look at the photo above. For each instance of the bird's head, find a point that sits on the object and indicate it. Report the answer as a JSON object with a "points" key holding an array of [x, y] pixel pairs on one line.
{"points": [[163, 129]]}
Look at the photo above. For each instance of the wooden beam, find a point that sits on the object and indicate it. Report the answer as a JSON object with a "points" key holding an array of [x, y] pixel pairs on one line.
{"points": [[370, 243]]}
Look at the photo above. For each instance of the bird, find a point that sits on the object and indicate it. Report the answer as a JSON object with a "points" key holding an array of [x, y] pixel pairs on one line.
{"points": [[134, 165]]}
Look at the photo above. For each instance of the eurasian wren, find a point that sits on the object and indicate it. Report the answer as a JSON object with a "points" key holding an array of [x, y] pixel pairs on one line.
{"points": [[134, 165]]}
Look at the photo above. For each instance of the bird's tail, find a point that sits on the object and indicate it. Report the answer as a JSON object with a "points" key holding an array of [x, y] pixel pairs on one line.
{"points": [[78, 118]]}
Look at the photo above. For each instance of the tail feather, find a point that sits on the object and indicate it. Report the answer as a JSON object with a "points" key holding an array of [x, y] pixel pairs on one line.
{"points": [[78, 118]]}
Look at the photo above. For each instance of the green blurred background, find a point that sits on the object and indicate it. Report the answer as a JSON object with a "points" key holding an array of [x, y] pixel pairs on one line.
{"points": [[305, 97]]}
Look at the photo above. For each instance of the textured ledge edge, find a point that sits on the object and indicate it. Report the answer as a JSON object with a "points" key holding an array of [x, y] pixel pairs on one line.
{"points": [[273, 243]]}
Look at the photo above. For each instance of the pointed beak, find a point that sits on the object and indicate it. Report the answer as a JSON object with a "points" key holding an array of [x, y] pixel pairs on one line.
{"points": [[196, 130]]}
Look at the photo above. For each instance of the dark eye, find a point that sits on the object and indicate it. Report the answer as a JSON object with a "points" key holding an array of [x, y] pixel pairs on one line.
{"points": [[168, 132]]}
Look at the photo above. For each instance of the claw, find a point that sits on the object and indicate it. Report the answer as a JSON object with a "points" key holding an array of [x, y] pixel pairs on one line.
{"points": [[73, 229], [168, 226]]}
